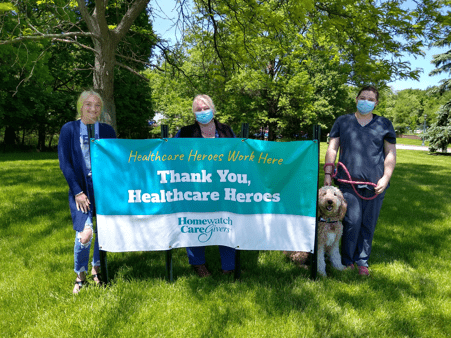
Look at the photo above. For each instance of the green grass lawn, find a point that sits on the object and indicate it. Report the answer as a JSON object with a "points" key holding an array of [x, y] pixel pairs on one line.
{"points": [[411, 142], [407, 295]]}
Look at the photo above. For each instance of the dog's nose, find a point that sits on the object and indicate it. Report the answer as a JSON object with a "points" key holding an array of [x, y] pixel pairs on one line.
{"points": [[330, 202]]}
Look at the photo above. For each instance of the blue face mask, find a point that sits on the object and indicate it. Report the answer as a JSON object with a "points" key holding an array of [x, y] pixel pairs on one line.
{"points": [[365, 107], [204, 116]]}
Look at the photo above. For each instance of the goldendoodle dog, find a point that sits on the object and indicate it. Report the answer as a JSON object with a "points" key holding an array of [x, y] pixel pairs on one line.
{"points": [[332, 209]]}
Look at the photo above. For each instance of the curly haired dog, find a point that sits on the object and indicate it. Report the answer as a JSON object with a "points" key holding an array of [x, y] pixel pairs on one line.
{"points": [[332, 209]]}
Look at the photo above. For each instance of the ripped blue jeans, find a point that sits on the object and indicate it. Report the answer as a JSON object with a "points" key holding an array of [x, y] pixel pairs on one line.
{"points": [[81, 251]]}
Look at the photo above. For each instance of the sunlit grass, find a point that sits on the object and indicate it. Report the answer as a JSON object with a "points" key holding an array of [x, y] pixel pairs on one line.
{"points": [[407, 295], [411, 142]]}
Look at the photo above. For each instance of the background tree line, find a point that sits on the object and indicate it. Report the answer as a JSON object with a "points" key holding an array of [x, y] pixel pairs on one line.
{"points": [[277, 65]]}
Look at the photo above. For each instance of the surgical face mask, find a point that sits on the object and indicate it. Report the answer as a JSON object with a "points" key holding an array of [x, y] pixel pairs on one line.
{"points": [[204, 116], [365, 107]]}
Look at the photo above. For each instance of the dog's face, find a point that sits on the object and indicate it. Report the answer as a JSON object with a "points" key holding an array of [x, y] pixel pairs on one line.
{"points": [[331, 202]]}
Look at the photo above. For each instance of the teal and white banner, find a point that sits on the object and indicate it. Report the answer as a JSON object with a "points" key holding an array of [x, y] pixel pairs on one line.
{"points": [[171, 193]]}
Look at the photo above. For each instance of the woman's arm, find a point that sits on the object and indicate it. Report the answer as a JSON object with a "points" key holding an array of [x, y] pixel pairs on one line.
{"points": [[331, 156], [389, 167], [65, 158]]}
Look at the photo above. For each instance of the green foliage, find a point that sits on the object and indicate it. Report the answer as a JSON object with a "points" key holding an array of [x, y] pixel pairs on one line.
{"points": [[439, 134], [276, 79], [404, 109], [442, 61], [22, 97], [28, 17], [288, 65], [6, 7], [49, 24], [171, 97], [408, 108], [280, 64], [134, 105], [39, 89], [42, 79]]}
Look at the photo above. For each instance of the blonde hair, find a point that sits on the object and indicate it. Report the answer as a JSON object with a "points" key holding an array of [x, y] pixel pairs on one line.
{"points": [[205, 99], [81, 99]]}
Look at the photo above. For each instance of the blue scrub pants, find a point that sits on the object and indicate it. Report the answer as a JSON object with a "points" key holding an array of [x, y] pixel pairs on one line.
{"points": [[196, 256], [359, 225]]}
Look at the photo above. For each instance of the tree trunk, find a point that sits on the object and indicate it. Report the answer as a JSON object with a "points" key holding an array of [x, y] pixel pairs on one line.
{"points": [[272, 113], [10, 136], [105, 41], [50, 141], [104, 79], [41, 137], [272, 102]]}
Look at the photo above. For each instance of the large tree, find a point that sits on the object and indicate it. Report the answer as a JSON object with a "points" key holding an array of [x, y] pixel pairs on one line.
{"points": [[282, 62], [286, 64], [439, 134], [21, 109], [58, 21]]}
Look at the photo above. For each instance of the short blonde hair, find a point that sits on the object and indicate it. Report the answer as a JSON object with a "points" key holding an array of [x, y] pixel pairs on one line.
{"points": [[81, 99], [205, 99]]}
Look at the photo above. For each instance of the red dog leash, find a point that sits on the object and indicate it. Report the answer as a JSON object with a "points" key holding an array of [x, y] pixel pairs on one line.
{"points": [[350, 181]]}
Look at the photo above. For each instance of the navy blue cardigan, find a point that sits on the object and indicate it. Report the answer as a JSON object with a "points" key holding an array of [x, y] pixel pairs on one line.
{"points": [[73, 166]]}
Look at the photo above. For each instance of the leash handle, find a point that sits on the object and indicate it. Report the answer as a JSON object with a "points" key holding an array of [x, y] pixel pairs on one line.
{"points": [[350, 181]]}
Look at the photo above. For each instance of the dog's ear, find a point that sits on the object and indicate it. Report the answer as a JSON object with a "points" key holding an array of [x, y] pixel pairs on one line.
{"points": [[320, 196], [343, 207]]}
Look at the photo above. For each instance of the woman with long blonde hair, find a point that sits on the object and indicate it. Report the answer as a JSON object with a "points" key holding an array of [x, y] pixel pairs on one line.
{"points": [[75, 163]]}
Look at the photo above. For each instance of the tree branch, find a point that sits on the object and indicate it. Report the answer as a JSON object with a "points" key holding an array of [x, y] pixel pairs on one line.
{"points": [[215, 35], [76, 43], [99, 13], [129, 17], [139, 61], [32, 70], [44, 36], [34, 28], [90, 22], [131, 70], [173, 64]]}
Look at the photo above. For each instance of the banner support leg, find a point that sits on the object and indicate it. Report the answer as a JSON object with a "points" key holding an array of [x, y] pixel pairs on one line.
{"points": [[169, 274], [102, 253], [314, 260], [237, 274], [169, 271], [103, 262], [103, 266]]}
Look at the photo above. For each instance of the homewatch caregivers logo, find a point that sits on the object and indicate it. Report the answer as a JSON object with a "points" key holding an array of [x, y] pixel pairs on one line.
{"points": [[204, 227]]}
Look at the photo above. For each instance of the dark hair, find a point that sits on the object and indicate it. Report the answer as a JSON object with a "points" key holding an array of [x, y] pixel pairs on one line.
{"points": [[369, 89]]}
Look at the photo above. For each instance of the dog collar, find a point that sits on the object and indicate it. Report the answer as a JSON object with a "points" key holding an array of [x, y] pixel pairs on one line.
{"points": [[327, 220]]}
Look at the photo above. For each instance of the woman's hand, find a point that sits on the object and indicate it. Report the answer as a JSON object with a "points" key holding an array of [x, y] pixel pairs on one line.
{"points": [[82, 203], [381, 185]]}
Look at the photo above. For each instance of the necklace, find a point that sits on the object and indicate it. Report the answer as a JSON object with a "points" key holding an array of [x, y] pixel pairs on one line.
{"points": [[209, 130]]}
